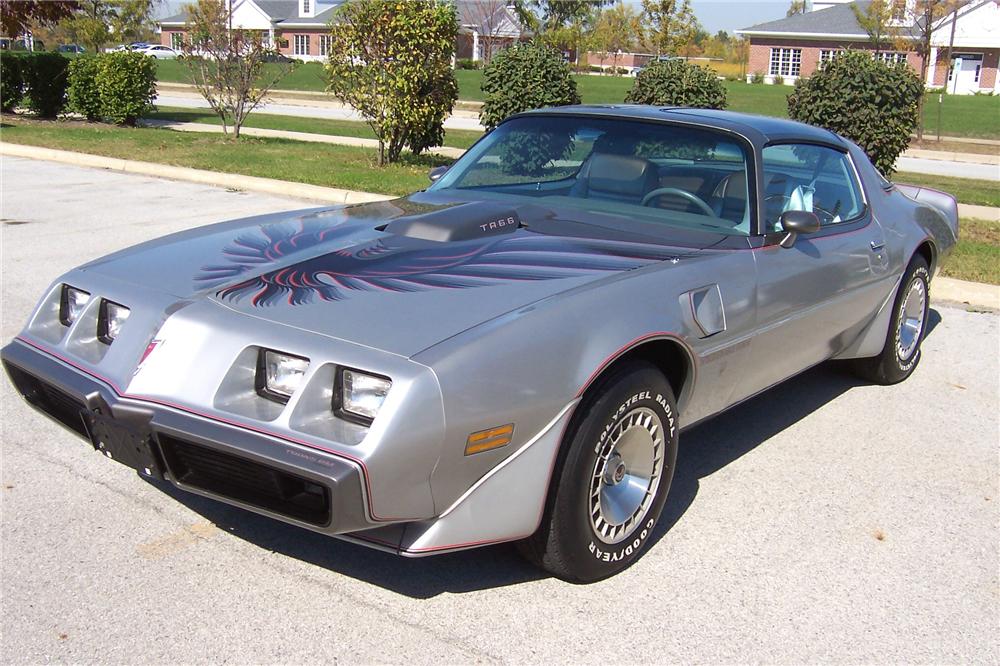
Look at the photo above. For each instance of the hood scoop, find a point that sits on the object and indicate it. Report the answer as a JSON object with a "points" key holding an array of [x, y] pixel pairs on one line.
{"points": [[465, 221]]}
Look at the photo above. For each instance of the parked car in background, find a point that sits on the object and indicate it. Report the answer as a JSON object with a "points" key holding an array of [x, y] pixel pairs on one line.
{"points": [[70, 48], [159, 52], [508, 355], [275, 56]]}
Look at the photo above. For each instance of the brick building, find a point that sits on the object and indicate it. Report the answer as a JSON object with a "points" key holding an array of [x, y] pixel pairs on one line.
{"points": [[795, 46]]}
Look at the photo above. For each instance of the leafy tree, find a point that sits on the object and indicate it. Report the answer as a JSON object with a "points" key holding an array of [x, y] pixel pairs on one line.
{"points": [[677, 83], [876, 19], [670, 25], [556, 13], [17, 17], [392, 62], [796, 7], [617, 29], [98, 20], [227, 64], [869, 101], [524, 77]]}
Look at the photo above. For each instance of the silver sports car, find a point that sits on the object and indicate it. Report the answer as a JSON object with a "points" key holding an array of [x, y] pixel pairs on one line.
{"points": [[508, 355]]}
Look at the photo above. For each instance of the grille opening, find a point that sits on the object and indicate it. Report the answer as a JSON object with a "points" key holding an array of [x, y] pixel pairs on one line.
{"points": [[246, 481], [54, 402]]}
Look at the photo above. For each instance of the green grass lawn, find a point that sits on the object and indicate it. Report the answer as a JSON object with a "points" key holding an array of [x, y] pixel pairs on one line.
{"points": [[353, 128], [317, 164], [977, 255], [962, 115], [966, 190]]}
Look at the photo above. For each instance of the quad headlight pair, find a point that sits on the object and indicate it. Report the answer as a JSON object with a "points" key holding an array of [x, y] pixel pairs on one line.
{"points": [[110, 317], [357, 395]]}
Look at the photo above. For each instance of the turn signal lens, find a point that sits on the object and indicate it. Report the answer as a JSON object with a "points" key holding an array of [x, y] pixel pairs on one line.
{"points": [[110, 320], [487, 440], [71, 304], [279, 375]]}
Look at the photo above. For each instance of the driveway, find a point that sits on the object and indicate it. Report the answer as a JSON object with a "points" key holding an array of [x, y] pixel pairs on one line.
{"points": [[825, 520]]}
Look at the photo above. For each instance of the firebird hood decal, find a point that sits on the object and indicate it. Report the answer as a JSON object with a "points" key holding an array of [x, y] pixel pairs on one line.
{"points": [[401, 264]]}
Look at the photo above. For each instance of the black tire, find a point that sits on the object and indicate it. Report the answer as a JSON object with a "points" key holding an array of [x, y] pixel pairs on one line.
{"points": [[892, 367], [567, 544]]}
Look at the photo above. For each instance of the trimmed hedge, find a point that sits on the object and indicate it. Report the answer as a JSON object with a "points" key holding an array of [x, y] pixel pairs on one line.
{"points": [[873, 103], [677, 83], [45, 75], [11, 80], [84, 97], [126, 83], [523, 77]]}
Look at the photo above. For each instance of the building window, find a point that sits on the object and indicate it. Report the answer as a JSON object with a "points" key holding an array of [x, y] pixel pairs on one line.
{"points": [[301, 45], [786, 62], [891, 57], [826, 55], [305, 6], [177, 40], [324, 44]]}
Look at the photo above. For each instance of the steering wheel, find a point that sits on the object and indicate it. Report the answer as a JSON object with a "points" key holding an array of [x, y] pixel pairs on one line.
{"points": [[684, 194]]}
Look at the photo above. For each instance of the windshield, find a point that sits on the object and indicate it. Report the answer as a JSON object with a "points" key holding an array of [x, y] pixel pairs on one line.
{"points": [[652, 172]]}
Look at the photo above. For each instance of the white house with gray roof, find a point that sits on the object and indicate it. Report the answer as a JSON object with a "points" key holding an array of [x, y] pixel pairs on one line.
{"points": [[796, 46]]}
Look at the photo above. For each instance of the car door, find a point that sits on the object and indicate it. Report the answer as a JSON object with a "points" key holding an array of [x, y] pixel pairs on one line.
{"points": [[816, 295]]}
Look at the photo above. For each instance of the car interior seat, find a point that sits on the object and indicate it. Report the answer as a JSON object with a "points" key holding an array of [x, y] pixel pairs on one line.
{"points": [[616, 178]]}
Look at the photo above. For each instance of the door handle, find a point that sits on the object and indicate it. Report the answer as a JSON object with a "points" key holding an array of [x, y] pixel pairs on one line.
{"points": [[876, 245]]}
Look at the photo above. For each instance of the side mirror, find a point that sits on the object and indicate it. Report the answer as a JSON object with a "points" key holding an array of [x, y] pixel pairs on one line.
{"points": [[795, 222], [436, 173]]}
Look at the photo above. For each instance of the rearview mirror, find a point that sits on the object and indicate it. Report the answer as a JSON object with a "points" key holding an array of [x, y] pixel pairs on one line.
{"points": [[436, 173], [795, 222]]}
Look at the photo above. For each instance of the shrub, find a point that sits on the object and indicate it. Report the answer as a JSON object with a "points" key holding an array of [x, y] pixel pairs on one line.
{"points": [[522, 77], [83, 95], [870, 102], [45, 79], [126, 82], [11, 80], [757, 78], [677, 83], [392, 62], [466, 63], [778, 80]]}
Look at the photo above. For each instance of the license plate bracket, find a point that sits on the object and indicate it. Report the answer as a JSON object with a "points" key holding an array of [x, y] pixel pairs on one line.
{"points": [[123, 443]]}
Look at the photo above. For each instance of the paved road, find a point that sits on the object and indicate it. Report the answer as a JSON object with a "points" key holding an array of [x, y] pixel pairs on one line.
{"points": [[915, 164], [824, 521]]}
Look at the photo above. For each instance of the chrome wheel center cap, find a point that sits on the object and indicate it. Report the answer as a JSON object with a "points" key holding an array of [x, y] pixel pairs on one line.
{"points": [[615, 470]]}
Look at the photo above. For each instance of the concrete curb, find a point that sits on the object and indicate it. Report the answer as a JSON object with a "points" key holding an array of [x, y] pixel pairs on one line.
{"points": [[947, 156], [975, 295], [309, 137], [230, 180], [944, 289]]}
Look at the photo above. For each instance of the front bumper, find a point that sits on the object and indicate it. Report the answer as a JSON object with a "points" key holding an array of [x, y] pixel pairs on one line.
{"points": [[245, 468]]}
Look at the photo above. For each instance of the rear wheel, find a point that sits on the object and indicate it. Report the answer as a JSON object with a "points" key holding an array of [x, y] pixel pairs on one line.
{"points": [[907, 328], [609, 490]]}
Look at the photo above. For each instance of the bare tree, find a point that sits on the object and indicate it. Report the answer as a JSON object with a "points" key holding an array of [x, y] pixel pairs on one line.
{"points": [[929, 13], [488, 18], [227, 63]]}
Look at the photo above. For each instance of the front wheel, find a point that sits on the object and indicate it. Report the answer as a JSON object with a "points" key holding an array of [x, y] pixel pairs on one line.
{"points": [[615, 472], [907, 328]]}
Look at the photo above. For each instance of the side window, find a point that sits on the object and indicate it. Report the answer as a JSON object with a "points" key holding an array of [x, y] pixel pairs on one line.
{"points": [[813, 178]]}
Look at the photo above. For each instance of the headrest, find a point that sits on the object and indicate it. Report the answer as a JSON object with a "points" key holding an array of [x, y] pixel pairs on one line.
{"points": [[620, 174]]}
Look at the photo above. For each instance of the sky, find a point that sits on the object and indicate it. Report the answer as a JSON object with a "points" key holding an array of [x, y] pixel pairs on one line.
{"points": [[714, 15]]}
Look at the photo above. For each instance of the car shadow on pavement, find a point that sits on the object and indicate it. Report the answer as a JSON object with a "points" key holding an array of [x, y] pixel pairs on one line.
{"points": [[704, 450]]}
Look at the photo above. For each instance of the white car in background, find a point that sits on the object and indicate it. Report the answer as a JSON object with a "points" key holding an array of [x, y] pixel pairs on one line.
{"points": [[159, 52]]}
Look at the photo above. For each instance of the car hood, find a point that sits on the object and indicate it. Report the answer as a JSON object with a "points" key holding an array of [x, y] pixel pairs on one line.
{"points": [[398, 275]]}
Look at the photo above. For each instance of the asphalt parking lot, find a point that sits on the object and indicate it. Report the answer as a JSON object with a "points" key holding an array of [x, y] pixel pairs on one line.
{"points": [[825, 521]]}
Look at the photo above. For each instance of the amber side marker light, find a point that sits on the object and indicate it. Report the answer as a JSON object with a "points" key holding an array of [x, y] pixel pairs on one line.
{"points": [[487, 440]]}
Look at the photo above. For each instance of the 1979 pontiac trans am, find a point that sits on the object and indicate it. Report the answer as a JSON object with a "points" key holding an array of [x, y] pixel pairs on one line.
{"points": [[507, 355]]}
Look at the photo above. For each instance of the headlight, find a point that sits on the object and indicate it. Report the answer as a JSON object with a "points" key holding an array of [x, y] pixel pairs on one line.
{"points": [[279, 375], [110, 320], [71, 304], [360, 395]]}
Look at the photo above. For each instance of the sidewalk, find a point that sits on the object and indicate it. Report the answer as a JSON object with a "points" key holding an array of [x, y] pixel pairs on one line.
{"points": [[444, 151]]}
